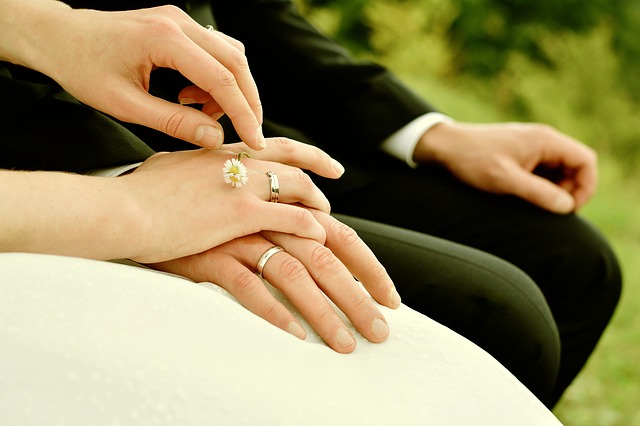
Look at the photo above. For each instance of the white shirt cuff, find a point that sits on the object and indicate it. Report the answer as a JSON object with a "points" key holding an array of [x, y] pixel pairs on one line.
{"points": [[402, 143], [112, 171]]}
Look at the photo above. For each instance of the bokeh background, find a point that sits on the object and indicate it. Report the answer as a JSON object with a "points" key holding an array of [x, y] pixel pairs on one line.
{"points": [[572, 64]]}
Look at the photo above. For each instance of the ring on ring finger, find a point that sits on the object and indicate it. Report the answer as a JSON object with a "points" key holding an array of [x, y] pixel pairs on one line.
{"points": [[265, 258], [274, 185]]}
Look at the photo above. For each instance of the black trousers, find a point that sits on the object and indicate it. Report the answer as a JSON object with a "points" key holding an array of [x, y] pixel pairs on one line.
{"points": [[534, 289]]}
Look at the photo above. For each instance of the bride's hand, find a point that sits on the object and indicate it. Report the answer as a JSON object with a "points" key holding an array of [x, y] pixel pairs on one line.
{"points": [[105, 59], [186, 207]]}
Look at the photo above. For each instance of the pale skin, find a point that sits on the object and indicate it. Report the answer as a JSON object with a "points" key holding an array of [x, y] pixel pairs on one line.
{"points": [[172, 210], [155, 213], [116, 52], [531, 161], [307, 273]]}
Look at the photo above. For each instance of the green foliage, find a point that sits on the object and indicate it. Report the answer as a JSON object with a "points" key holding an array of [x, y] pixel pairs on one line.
{"points": [[486, 32], [560, 63]]}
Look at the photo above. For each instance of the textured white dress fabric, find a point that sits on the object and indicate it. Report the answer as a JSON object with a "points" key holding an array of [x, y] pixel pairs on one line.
{"points": [[86, 342]]}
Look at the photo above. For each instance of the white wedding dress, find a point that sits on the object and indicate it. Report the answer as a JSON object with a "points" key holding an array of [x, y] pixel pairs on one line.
{"points": [[98, 343]]}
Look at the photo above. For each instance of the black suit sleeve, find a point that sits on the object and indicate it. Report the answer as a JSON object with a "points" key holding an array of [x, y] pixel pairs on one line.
{"points": [[45, 128], [308, 82]]}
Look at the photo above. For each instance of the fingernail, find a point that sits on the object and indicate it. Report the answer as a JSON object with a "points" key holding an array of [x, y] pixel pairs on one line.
{"points": [[394, 298], [261, 142], [217, 115], [209, 137], [337, 166], [344, 338], [187, 101], [379, 328], [295, 329], [564, 203]]}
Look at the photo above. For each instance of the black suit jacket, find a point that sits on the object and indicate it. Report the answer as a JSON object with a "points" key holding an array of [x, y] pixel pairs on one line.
{"points": [[310, 87]]}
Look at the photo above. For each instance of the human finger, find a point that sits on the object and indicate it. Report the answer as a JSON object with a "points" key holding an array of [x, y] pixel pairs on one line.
{"points": [[584, 182], [224, 266], [358, 258], [289, 275], [175, 120], [538, 191], [294, 153], [237, 63], [227, 265], [240, 280], [194, 95], [280, 218], [173, 48], [578, 162], [335, 280], [222, 70], [289, 185]]}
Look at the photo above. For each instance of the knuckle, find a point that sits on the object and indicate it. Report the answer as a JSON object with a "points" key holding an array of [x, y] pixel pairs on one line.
{"points": [[171, 124], [379, 272], [292, 270], [540, 131], [323, 259], [244, 284], [225, 77], [363, 303], [164, 23], [171, 10], [344, 235], [272, 310], [236, 43], [303, 217], [496, 176], [285, 145], [326, 314], [237, 58]]}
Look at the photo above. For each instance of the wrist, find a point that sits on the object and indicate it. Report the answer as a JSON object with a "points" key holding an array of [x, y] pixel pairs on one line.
{"points": [[136, 223], [434, 144]]}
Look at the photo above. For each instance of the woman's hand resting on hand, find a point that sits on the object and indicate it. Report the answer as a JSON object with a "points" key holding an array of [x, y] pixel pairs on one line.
{"points": [[186, 207]]}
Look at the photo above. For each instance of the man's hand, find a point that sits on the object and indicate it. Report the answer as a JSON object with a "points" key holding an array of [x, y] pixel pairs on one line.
{"points": [[307, 272], [532, 161]]}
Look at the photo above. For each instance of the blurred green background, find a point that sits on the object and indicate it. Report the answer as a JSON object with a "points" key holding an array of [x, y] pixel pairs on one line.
{"points": [[572, 64]]}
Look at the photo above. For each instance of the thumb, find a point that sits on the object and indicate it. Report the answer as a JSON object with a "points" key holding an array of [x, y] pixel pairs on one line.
{"points": [[541, 192], [175, 120]]}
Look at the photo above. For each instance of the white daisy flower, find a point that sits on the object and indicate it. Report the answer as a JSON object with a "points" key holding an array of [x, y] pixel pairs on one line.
{"points": [[235, 173]]}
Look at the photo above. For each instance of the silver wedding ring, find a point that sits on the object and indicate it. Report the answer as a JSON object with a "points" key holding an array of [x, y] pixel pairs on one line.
{"points": [[265, 258], [210, 28], [275, 187]]}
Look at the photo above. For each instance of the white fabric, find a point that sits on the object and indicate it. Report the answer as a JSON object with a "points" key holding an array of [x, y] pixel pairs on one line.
{"points": [[402, 143], [113, 171], [96, 343]]}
